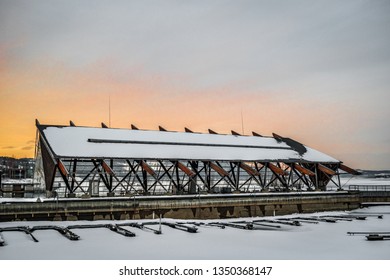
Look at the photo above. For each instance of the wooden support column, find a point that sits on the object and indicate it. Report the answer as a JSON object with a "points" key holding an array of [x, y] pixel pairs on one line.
{"points": [[64, 174]]}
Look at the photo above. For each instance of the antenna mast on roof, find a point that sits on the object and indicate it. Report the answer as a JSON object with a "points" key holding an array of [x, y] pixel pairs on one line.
{"points": [[109, 110], [242, 123]]}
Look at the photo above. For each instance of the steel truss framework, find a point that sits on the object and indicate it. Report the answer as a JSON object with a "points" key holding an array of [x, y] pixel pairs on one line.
{"points": [[101, 177], [142, 177]]}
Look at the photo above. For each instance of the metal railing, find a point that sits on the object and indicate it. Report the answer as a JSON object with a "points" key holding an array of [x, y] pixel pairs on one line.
{"points": [[369, 188]]}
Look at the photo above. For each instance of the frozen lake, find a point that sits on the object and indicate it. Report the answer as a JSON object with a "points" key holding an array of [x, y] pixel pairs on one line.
{"points": [[321, 241]]}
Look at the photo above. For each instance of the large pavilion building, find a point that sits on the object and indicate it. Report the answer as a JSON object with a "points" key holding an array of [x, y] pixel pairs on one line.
{"points": [[86, 161]]}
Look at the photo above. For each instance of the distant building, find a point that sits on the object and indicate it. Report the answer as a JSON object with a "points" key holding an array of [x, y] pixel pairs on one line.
{"points": [[74, 161], [13, 168], [16, 177]]}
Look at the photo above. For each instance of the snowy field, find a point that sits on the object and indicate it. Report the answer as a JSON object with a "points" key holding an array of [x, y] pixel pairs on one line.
{"points": [[321, 241]]}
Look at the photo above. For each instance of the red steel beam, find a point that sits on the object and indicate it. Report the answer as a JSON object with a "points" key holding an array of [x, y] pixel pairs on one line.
{"points": [[303, 170], [326, 170], [147, 168], [249, 169], [349, 169], [219, 169], [107, 168], [62, 168], [185, 169], [276, 169]]}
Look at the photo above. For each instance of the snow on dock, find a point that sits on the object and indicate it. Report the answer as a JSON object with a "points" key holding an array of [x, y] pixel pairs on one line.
{"points": [[240, 238]]}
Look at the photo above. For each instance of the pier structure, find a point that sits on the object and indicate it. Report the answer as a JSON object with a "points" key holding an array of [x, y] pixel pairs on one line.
{"points": [[207, 206], [76, 161]]}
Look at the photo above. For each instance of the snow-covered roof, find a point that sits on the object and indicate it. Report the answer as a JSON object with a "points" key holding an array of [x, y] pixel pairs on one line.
{"points": [[87, 142]]}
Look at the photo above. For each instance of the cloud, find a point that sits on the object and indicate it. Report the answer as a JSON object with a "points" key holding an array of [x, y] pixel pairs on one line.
{"points": [[27, 148], [9, 147]]}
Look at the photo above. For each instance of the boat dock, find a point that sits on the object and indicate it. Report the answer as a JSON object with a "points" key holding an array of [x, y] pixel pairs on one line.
{"points": [[179, 207]]}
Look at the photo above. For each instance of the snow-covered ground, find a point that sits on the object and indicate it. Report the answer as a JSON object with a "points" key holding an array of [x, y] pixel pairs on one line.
{"points": [[322, 241]]}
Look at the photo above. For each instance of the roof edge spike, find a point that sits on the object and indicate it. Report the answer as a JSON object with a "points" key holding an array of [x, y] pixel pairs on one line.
{"points": [[134, 127], [37, 123], [188, 130], [256, 134], [212, 131], [71, 123], [161, 128], [277, 136], [104, 125], [235, 133]]}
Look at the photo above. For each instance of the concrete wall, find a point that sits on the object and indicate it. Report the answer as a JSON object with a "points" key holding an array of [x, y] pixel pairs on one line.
{"points": [[180, 207]]}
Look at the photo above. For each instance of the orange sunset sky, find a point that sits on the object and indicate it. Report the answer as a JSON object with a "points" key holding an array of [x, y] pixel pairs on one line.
{"points": [[315, 72]]}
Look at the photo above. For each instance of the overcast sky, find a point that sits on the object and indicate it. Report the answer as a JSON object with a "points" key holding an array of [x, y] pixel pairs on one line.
{"points": [[315, 71]]}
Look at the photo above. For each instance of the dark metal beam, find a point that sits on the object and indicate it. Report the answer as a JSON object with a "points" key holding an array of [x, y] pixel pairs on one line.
{"points": [[105, 181]]}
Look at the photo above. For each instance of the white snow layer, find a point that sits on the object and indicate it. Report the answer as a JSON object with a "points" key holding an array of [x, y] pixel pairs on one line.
{"points": [[73, 142], [322, 241]]}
